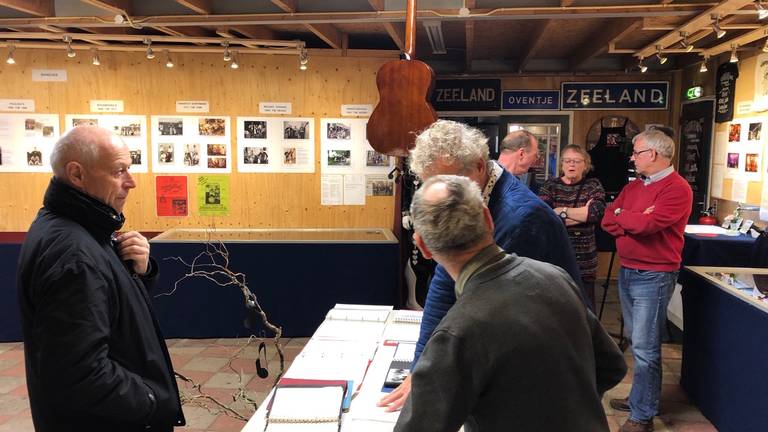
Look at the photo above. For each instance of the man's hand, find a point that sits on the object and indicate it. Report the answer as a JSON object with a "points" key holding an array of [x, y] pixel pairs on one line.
{"points": [[649, 210], [135, 247], [396, 399]]}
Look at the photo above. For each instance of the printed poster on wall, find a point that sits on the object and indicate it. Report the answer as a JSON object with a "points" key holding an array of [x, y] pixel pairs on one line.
{"points": [[213, 195], [345, 150], [275, 144], [745, 149], [191, 144], [172, 198], [760, 98], [26, 141], [132, 129]]}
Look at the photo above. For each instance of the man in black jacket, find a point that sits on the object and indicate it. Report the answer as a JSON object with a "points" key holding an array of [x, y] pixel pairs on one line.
{"points": [[95, 357]]}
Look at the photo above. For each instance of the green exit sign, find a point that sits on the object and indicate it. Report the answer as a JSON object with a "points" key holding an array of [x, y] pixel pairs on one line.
{"points": [[694, 92]]}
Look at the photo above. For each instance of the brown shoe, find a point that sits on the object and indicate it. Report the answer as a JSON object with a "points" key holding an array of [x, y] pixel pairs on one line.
{"points": [[634, 426], [620, 404]]}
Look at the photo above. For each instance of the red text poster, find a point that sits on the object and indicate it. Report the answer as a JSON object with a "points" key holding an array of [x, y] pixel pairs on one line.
{"points": [[171, 195]]}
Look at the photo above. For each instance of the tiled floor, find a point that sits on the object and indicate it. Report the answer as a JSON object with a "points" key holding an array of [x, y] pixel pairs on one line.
{"points": [[207, 362]]}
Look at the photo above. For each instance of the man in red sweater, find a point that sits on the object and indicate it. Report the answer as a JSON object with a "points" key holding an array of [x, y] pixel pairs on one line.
{"points": [[648, 219]]}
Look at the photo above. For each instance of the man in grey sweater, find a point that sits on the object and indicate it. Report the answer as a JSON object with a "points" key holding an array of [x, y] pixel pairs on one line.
{"points": [[518, 350]]}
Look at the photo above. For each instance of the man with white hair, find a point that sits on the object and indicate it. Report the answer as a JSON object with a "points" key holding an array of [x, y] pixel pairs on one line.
{"points": [[648, 219], [523, 223], [95, 357], [518, 351]]}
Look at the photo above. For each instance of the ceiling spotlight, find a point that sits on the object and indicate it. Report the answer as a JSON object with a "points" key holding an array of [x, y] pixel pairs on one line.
{"points": [[227, 53], [70, 52], [762, 10], [703, 67], [688, 47], [661, 58], [234, 64], [96, 61], [150, 52], [119, 19], [10, 59], [734, 56], [168, 61], [303, 59], [643, 68], [716, 26]]}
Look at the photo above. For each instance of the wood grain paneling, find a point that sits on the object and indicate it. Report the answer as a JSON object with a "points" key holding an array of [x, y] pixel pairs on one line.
{"points": [[149, 88]]}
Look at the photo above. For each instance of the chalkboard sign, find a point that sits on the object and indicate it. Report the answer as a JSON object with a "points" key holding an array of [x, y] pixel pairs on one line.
{"points": [[725, 91]]}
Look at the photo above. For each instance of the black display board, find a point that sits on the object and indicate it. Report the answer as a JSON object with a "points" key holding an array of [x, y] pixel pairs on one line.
{"points": [[696, 123]]}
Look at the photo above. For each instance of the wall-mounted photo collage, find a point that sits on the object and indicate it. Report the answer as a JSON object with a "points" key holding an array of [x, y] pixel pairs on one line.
{"points": [[744, 155], [275, 144], [191, 144], [132, 129], [26, 141]]}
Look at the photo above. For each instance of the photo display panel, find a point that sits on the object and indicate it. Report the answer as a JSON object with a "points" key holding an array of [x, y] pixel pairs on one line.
{"points": [[132, 129], [191, 144], [26, 141], [275, 144]]}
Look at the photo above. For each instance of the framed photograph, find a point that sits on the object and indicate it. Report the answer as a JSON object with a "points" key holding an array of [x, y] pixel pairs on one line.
{"points": [[339, 131], [339, 157], [734, 132], [170, 126], [254, 129], [211, 126], [295, 129]]}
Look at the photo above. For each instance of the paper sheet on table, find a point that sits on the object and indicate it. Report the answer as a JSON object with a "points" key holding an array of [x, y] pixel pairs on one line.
{"points": [[328, 359], [704, 229], [357, 315], [349, 330], [401, 332]]}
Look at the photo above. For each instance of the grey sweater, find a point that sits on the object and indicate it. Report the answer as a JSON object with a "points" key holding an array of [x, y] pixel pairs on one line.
{"points": [[517, 352]]}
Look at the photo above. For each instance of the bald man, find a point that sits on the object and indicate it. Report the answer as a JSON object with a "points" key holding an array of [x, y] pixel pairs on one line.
{"points": [[518, 151], [95, 357], [518, 351]]}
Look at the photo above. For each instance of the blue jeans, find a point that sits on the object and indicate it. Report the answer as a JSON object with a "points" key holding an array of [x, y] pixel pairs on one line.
{"points": [[644, 297]]}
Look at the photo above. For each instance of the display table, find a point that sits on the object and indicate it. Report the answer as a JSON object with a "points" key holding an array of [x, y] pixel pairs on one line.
{"points": [[296, 274], [725, 350], [350, 340], [704, 249], [717, 250]]}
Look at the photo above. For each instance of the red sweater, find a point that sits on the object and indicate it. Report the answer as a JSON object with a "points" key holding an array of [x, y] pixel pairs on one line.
{"points": [[651, 241]]}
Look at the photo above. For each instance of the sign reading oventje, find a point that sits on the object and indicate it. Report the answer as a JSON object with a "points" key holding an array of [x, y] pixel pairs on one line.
{"points": [[642, 95]]}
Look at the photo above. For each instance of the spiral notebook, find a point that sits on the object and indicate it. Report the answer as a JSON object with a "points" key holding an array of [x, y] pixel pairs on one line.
{"points": [[306, 408], [400, 367]]}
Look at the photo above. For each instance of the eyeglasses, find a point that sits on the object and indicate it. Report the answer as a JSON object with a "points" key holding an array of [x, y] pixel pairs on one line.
{"points": [[637, 153], [572, 161]]}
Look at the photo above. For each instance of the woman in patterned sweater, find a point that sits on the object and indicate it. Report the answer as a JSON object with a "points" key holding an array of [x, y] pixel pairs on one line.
{"points": [[580, 203]]}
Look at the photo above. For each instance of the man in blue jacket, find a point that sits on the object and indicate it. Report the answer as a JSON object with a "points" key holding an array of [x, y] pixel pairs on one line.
{"points": [[524, 224]]}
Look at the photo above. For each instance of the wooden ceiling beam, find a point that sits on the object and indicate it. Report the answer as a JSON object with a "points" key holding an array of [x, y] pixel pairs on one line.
{"points": [[285, 5], [597, 43], [183, 31], [327, 32], [700, 21], [40, 8], [398, 37], [202, 7], [566, 3], [117, 7], [536, 43]]}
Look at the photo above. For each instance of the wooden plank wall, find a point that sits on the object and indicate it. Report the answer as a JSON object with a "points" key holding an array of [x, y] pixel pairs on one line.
{"points": [[258, 200], [149, 88]]}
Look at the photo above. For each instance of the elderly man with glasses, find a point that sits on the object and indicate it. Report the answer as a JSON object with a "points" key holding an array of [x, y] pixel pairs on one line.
{"points": [[647, 220]]}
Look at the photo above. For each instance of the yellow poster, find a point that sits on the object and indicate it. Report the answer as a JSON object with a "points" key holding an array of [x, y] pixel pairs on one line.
{"points": [[213, 195]]}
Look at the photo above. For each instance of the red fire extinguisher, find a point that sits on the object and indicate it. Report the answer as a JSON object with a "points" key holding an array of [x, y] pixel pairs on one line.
{"points": [[707, 217]]}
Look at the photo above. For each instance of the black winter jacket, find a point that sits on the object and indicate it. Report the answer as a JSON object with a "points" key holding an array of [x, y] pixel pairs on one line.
{"points": [[95, 357]]}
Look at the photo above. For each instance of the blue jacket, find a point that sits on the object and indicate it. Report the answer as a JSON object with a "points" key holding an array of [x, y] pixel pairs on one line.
{"points": [[524, 225]]}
